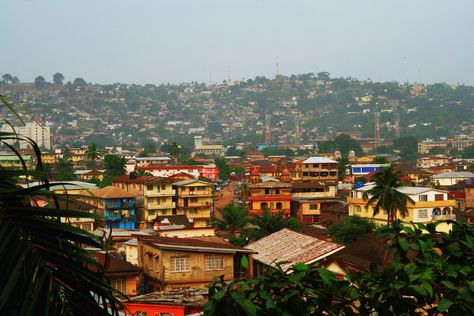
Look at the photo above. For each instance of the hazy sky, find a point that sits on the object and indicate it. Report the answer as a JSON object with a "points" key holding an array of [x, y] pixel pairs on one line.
{"points": [[153, 41]]}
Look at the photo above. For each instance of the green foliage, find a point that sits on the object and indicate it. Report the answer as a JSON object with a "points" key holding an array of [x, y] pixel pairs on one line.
{"points": [[268, 223], [58, 78], [344, 143], [380, 159], [407, 146], [40, 82], [430, 273], [468, 152], [224, 169], [45, 269], [354, 228], [114, 165], [234, 219], [384, 196], [342, 166], [64, 170], [92, 152]]}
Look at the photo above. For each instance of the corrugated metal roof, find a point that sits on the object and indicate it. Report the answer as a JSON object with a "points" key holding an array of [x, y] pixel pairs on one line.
{"points": [[292, 247], [319, 160], [460, 174]]}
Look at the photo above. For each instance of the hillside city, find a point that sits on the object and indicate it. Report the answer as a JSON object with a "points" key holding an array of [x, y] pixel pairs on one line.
{"points": [[192, 183]]}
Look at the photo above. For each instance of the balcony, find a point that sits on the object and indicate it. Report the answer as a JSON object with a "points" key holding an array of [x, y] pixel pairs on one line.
{"points": [[160, 206], [120, 204], [160, 193], [195, 204], [195, 193], [446, 217]]}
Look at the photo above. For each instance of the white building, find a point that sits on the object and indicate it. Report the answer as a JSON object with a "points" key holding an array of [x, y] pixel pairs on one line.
{"points": [[41, 135]]}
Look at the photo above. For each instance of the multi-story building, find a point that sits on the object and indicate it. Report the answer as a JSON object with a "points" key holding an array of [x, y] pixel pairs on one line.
{"points": [[187, 262], [315, 187], [426, 146], [155, 195], [428, 205], [209, 150], [116, 206], [194, 198], [41, 135], [269, 193], [433, 161], [12, 161]]}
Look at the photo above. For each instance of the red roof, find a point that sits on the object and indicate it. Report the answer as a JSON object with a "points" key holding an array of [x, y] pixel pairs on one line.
{"points": [[140, 179], [255, 173], [176, 167]]}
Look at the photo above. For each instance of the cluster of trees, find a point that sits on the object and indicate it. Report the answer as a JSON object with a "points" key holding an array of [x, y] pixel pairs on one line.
{"points": [[429, 273], [58, 79], [242, 229]]}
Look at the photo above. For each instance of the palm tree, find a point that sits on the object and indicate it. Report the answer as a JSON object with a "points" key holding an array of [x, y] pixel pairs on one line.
{"points": [[234, 218], [268, 223], [45, 267], [91, 152], [385, 194], [175, 150]]}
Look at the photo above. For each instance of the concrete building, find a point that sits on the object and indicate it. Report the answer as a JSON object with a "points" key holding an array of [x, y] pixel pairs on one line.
{"points": [[428, 206], [41, 135]]}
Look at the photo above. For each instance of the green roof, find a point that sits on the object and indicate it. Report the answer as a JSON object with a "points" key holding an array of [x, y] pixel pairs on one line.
{"points": [[14, 158]]}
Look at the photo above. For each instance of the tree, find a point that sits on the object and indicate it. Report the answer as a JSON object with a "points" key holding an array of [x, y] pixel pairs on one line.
{"points": [[174, 150], [234, 218], [380, 159], [385, 194], [468, 152], [223, 167], [58, 78], [268, 223], [64, 170], [114, 165], [40, 82], [342, 166], [92, 152], [67, 154], [79, 82], [430, 273], [354, 228], [15, 80], [7, 78], [45, 269], [345, 143], [407, 146]]}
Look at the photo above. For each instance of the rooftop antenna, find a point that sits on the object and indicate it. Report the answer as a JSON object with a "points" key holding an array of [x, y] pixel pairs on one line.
{"points": [[268, 139], [397, 125], [377, 129], [277, 67]]}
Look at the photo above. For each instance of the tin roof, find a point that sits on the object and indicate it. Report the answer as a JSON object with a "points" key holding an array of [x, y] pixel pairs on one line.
{"points": [[292, 247]]}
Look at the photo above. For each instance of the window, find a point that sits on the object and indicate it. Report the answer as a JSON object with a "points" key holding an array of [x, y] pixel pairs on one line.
{"points": [[119, 284], [439, 197], [163, 186], [149, 187], [313, 206], [180, 264], [150, 261], [267, 191], [279, 205], [214, 262], [140, 313], [201, 188], [277, 191], [422, 213], [357, 208], [423, 198]]}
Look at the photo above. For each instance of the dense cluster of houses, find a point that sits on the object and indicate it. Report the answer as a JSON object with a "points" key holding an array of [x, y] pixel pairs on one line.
{"points": [[165, 251]]}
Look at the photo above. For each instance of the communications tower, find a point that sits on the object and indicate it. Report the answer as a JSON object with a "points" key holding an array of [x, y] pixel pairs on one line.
{"points": [[377, 140], [268, 139]]}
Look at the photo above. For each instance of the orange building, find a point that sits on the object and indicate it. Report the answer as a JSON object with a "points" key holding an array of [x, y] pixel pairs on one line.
{"points": [[270, 193]]}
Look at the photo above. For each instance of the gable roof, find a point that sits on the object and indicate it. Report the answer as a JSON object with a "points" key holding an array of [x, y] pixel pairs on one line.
{"points": [[111, 192], [192, 245], [174, 220], [292, 247], [459, 174]]}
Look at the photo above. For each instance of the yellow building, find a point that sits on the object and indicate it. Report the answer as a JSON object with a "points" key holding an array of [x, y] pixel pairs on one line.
{"points": [[187, 262], [429, 205], [155, 195], [194, 199], [13, 162]]}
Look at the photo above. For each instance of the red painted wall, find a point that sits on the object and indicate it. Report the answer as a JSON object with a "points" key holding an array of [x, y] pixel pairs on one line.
{"points": [[153, 309]]}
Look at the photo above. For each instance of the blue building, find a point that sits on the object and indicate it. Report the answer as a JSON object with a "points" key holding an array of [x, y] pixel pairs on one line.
{"points": [[117, 206], [363, 169]]}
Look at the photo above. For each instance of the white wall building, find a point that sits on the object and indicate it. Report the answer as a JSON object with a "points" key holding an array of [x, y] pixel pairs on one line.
{"points": [[40, 134]]}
